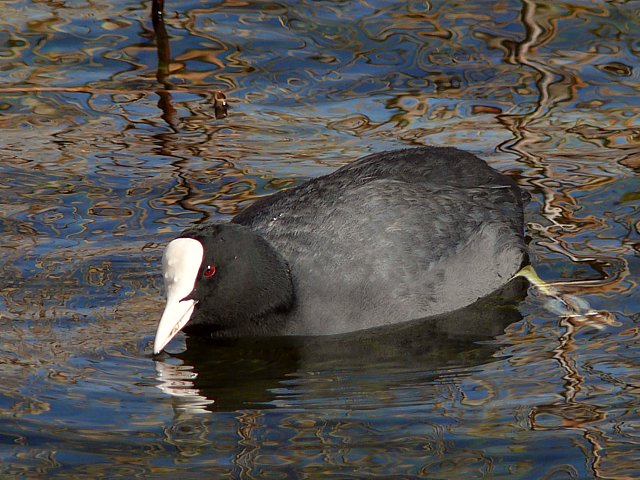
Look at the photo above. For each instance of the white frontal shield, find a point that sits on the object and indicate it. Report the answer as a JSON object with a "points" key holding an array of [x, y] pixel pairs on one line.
{"points": [[180, 266]]}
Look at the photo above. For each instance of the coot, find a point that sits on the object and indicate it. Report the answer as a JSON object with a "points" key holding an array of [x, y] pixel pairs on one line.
{"points": [[391, 237]]}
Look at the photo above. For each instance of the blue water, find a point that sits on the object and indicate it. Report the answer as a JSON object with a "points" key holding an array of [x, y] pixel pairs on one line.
{"points": [[111, 144]]}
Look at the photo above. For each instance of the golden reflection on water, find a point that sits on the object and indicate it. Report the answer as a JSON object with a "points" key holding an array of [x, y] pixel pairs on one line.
{"points": [[111, 142]]}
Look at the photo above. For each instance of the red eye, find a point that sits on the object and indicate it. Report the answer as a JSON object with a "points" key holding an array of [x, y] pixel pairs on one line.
{"points": [[210, 270]]}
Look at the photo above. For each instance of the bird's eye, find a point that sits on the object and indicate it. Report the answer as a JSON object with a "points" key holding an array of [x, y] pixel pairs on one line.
{"points": [[210, 270]]}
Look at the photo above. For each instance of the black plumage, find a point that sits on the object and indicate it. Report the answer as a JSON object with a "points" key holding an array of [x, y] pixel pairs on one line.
{"points": [[391, 237]]}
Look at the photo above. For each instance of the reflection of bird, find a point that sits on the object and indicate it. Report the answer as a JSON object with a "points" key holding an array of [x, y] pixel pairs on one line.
{"points": [[391, 237], [249, 371]]}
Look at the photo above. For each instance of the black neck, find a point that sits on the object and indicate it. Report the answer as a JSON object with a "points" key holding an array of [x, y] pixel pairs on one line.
{"points": [[251, 288]]}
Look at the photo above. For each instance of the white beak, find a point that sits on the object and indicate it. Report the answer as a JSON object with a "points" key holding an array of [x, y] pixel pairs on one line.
{"points": [[180, 266]]}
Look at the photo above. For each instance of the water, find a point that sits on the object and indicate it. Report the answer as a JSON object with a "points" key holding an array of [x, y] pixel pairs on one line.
{"points": [[111, 144]]}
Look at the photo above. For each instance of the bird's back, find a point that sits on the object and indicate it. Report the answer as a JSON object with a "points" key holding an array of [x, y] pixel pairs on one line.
{"points": [[394, 237]]}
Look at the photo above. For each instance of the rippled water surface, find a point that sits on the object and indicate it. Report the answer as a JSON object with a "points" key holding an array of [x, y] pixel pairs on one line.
{"points": [[112, 142]]}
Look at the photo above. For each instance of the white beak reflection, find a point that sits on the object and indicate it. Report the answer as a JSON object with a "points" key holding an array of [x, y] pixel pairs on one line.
{"points": [[177, 381]]}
